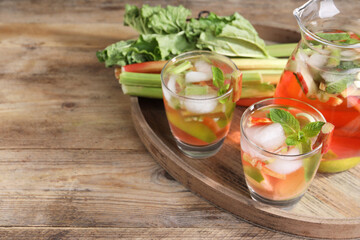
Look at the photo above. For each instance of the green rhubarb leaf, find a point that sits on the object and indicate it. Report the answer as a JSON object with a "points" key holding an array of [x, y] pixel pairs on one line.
{"points": [[289, 123], [312, 129], [149, 20]]}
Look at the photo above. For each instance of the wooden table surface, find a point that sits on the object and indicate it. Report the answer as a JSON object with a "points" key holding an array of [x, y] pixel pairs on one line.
{"points": [[71, 163]]}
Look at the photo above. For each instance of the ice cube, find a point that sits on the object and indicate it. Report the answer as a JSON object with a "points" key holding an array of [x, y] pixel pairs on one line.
{"points": [[171, 84], [192, 77], [200, 107], [284, 166], [203, 66], [293, 151], [317, 60], [269, 137], [252, 151]]}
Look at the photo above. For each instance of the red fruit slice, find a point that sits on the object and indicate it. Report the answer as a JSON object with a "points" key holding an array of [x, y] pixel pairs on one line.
{"points": [[236, 80], [257, 121], [324, 137]]}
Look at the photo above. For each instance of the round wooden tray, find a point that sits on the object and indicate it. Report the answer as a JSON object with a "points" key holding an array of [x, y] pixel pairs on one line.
{"points": [[330, 208]]}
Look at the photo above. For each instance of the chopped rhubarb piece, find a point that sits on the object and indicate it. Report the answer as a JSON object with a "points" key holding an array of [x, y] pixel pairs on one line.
{"points": [[324, 137], [334, 101], [302, 82], [246, 102], [257, 121], [236, 79]]}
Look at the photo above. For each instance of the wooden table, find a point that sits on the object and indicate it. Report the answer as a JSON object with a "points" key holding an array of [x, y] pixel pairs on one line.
{"points": [[71, 163]]}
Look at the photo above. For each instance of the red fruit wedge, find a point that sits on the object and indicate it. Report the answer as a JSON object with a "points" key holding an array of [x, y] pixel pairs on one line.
{"points": [[236, 80], [145, 67], [257, 121], [324, 137]]}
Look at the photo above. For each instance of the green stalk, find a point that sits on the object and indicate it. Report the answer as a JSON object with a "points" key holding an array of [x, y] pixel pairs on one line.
{"points": [[140, 91], [281, 50], [257, 91], [154, 80], [141, 79], [254, 91], [253, 64], [270, 76]]}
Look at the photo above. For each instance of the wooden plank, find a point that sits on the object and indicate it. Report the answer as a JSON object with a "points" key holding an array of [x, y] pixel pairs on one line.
{"points": [[76, 11], [142, 233], [59, 97], [107, 189]]}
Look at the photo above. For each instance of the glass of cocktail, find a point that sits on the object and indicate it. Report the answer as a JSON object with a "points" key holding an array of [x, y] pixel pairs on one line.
{"points": [[324, 71], [282, 141], [200, 89]]}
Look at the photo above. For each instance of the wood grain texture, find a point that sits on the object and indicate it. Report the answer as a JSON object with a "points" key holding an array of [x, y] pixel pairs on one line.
{"points": [[329, 210], [140, 233], [72, 165]]}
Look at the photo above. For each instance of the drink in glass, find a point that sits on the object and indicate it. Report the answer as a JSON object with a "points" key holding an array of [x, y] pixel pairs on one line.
{"points": [[324, 71], [200, 89], [280, 154]]}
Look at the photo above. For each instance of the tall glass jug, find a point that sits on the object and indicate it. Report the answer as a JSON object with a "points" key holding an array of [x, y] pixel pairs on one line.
{"points": [[324, 71]]}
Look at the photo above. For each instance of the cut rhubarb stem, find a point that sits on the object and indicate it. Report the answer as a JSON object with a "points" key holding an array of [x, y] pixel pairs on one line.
{"points": [[267, 63], [257, 91], [241, 63], [271, 76], [281, 50], [140, 91], [145, 67], [324, 137], [141, 79], [246, 102]]}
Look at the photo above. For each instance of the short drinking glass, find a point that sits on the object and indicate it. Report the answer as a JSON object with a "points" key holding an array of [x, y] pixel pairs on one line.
{"points": [[198, 90], [279, 149]]}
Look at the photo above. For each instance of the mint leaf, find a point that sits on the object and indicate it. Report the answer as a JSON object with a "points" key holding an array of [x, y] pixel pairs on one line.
{"points": [[337, 86], [219, 80], [334, 36], [218, 77], [292, 140], [345, 65], [304, 146], [289, 123], [312, 129]]}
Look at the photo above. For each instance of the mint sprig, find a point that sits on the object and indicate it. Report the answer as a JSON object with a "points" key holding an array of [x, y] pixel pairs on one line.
{"points": [[219, 80], [289, 123], [294, 135]]}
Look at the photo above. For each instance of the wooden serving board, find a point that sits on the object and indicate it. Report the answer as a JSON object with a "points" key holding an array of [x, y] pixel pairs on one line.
{"points": [[329, 209]]}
